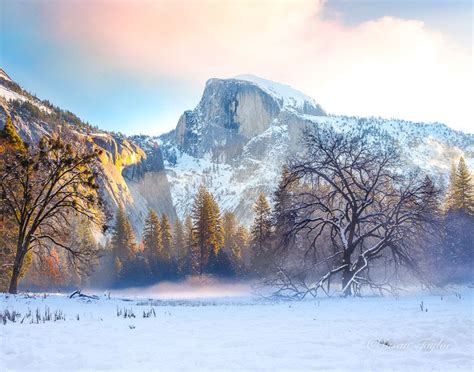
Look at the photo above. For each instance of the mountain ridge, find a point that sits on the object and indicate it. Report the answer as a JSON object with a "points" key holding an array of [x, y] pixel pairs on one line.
{"points": [[235, 141]]}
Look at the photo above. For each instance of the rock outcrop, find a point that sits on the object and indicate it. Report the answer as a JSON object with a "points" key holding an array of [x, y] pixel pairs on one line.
{"points": [[131, 177], [233, 111]]}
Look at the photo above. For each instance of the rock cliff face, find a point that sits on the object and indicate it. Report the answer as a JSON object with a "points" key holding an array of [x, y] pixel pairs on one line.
{"points": [[233, 111], [131, 177]]}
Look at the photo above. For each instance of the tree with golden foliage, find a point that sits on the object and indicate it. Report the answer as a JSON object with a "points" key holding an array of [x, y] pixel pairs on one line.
{"points": [[42, 188], [10, 135], [47, 271], [10, 145]]}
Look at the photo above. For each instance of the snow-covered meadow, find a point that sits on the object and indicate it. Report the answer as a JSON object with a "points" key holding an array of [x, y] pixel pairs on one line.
{"points": [[226, 327]]}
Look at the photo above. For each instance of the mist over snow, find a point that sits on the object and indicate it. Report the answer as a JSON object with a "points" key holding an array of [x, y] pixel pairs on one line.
{"points": [[194, 288]]}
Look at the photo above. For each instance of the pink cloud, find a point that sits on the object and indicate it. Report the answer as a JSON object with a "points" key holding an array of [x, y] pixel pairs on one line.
{"points": [[389, 67]]}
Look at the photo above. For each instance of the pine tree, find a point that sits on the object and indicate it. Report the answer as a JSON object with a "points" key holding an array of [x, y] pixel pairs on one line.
{"points": [[426, 239], [460, 192], [123, 240], [200, 229], [282, 219], [235, 242], [191, 262], [179, 242], [262, 224], [167, 238], [118, 266], [217, 231], [83, 238], [105, 275], [230, 229], [449, 197], [432, 197], [463, 188], [216, 237], [459, 224], [281, 195], [152, 240], [260, 233], [237, 250], [242, 238], [220, 264], [207, 227], [10, 134]]}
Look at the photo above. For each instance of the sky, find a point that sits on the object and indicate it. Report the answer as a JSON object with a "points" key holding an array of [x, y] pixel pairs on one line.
{"points": [[135, 66]]}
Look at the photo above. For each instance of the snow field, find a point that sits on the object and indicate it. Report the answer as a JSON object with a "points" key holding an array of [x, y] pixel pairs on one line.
{"points": [[242, 333]]}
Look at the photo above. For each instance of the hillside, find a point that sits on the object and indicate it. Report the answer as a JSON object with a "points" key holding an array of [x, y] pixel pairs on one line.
{"points": [[131, 177]]}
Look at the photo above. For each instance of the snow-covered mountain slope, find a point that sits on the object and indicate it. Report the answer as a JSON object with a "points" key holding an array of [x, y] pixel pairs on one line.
{"points": [[10, 91], [431, 148], [4, 75], [131, 177], [244, 129]]}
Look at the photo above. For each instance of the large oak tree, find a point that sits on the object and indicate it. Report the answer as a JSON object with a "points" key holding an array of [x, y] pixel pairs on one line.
{"points": [[353, 200], [42, 188]]}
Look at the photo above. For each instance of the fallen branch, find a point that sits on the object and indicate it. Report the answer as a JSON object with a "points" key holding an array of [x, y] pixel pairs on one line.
{"points": [[78, 293]]}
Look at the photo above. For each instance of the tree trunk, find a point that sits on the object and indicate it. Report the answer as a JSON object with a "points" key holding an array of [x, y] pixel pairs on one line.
{"points": [[347, 275], [200, 261], [18, 263], [13, 289]]}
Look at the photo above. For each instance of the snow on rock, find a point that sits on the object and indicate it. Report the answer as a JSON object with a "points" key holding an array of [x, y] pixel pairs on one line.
{"points": [[4, 75], [10, 95], [234, 186], [330, 334], [290, 98], [431, 147]]}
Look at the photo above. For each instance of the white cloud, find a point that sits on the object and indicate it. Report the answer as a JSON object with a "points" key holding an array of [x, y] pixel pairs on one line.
{"points": [[388, 67]]}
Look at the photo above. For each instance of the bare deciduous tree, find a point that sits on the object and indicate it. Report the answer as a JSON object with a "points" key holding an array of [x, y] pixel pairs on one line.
{"points": [[42, 189], [351, 195]]}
